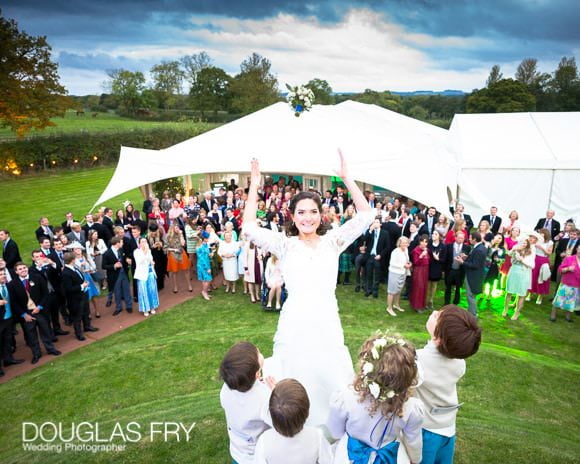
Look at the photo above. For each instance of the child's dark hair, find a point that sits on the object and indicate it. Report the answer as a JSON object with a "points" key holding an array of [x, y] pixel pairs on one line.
{"points": [[289, 407], [458, 333], [239, 366]]}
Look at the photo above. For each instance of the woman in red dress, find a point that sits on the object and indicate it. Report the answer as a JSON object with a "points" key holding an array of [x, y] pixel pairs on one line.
{"points": [[510, 242], [421, 258]]}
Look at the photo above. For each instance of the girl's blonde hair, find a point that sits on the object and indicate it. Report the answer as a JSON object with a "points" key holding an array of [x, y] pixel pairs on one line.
{"points": [[386, 373]]}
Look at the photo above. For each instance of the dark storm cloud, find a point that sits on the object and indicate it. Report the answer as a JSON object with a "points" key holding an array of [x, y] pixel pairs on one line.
{"points": [[526, 19]]}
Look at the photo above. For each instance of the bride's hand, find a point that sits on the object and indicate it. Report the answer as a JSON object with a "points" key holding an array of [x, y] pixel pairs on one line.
{"points": [[342, 172], [255, 176]]}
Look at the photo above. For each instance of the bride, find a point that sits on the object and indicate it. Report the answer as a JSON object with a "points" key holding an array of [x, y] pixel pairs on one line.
{"points": [[309, 343]]}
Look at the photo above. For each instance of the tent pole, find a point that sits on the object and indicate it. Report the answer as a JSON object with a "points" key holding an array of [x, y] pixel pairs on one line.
{"points": [[551, 189]]}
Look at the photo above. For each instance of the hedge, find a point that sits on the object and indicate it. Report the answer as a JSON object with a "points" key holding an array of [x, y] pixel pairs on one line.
{"points": [[85, 149]]}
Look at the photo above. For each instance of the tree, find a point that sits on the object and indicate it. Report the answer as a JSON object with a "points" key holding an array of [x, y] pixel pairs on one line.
{"points": [[566, 86], [30, 92], [527, 72], [193, 64], [503, 96], [128, 87], [167, 81], [494, 75], [322, 91], [211, 90], [255, 87]]}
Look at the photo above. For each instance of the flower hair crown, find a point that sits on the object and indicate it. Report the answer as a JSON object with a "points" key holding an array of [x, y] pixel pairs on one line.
{"points": [[369, 366]]}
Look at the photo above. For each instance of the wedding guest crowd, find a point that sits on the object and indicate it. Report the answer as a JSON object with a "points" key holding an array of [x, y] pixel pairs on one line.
{"points": [[127, 254]]}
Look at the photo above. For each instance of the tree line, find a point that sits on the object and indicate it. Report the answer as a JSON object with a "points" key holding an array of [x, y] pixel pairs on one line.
{"points": [[30, 92]]}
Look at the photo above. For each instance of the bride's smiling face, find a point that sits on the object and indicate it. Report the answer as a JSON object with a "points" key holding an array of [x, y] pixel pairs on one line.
{"points": [[306, 216]]}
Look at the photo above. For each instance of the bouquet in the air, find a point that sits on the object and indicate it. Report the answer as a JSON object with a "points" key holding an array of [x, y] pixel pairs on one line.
{"points": [[300, 99]]}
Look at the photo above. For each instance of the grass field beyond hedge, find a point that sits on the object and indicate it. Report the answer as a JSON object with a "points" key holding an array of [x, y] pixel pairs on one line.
{"points": [[520, 390], [102, 122]]}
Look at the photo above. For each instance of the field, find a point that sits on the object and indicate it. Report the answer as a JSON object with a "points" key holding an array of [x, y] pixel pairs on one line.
{"points": [[102, 122], [519, 391]]}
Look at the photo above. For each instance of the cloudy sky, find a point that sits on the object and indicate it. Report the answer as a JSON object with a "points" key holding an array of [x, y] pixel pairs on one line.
{"points": [[400, 45]]}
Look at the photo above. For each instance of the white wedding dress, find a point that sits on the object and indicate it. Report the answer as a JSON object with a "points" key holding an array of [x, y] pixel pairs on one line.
{"points": [[309, 343]]}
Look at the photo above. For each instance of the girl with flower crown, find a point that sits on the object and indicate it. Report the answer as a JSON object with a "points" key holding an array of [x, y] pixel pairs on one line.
{"points": [[377, 409]]}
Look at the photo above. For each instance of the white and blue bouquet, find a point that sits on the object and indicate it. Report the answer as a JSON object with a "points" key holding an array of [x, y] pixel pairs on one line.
{"points": [[300, 99]]}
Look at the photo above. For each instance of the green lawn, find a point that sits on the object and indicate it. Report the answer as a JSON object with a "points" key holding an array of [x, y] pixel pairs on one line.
{"points": [[519, 391], [103, 122], [25, 200]]}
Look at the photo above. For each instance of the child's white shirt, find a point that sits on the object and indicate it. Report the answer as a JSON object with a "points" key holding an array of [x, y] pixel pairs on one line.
{"points": [[247, 416], [439, 389], [306, 447]]}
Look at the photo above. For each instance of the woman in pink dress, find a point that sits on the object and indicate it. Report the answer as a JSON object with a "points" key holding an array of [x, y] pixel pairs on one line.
{"points": [[541, 274], [420, 258], [511, 240]]}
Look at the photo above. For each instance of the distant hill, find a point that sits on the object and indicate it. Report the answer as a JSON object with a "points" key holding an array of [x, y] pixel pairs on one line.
{"points": [[415, 93]]}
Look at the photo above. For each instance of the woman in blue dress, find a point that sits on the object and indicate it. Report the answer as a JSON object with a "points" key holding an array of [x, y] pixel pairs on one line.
{"points": [[87, 266], [146, 278], [204, 274]]}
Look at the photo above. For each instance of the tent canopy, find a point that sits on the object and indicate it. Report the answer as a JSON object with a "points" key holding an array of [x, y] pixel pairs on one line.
{"points": [[383, 148], [529, 162]]}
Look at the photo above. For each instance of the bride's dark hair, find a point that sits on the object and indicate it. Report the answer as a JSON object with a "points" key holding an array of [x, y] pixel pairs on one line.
{"points": [[291, 229]]}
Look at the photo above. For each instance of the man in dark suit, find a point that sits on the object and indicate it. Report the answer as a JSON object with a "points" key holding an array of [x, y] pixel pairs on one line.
{"points": [[207, 203], [28, 296], [327, 199], [422, 228], [493, 219], [341, 193], [549, 223], [77, 234], [47, 266], [10, 252], [107, 221], [129, 247], [68, 222], [431, 220], [460, 209], [406, 225], [474, 266], [116, 265], [45, 229], [75, 287], [139, 221], [454, 272], [377, 249], [393, 229], [6, 325], [231, 218]]}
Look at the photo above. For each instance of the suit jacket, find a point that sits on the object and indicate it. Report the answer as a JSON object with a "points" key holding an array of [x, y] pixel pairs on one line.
{"points": [[467, 217], [383, 246], [449, 258], [406, 230], [207, 207], [65, 227], [496, 223], [108, 223], [424, 230], [330, 202], [108, 264], [19, 297], [71, 286], [50, 275], [394, 232], [104, 233], [40, 233], [129, 247], [73, 238], [430, 229], [474, 267], [11, 254], [555, 229]]}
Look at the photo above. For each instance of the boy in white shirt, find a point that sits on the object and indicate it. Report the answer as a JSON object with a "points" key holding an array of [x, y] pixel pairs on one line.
{"points": [[244, 399], [290, 441], [455, 335]]}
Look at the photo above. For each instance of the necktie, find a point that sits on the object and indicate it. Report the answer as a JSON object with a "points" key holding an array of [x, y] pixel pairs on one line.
{"points": [[548, 224], [26, 284], [3, 292], [492, 219]]}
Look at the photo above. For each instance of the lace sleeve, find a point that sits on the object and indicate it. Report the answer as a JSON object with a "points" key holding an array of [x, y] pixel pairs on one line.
{"points": [[351, 230], [265, 239]]}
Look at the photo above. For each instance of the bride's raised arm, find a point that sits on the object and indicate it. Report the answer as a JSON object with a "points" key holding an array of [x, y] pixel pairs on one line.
{"points": [[266, 239], [352, 229]]}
